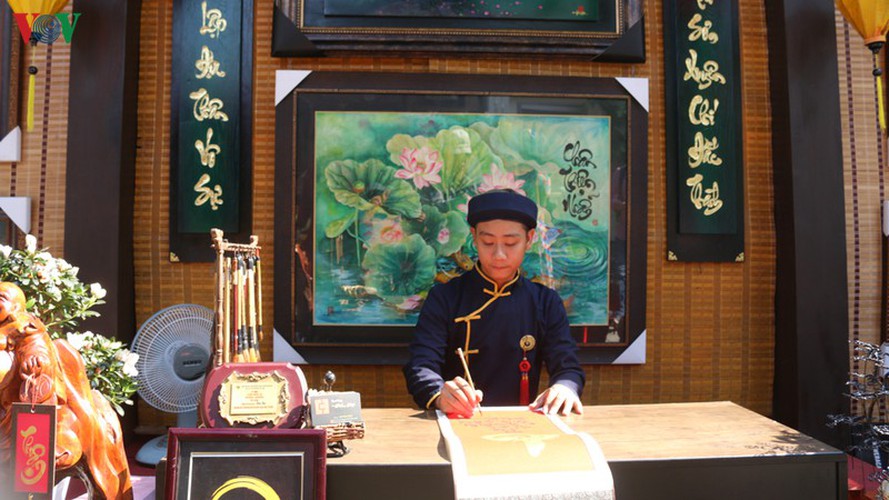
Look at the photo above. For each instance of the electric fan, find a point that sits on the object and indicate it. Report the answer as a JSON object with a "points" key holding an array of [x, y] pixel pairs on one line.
{"points": [[174, 350]]}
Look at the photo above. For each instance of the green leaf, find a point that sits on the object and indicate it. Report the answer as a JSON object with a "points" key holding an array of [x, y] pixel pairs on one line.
{"points": [[339, 226], [446, 233], [371, 184], [400, 270], [465, 157]]}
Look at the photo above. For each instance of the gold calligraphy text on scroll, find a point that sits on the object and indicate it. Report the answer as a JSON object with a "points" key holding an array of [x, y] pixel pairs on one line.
{"points": [[212, 22], [207, 150], [703, 32], [704, 151], [704, 77], [36, 465], [207, 194], [699, 112], [708, 199], [207, 66], [206, 108], [702, 4]]}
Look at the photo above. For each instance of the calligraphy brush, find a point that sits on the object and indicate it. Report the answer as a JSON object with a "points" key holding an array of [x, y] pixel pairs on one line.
{"points": [[468, 375], [251, 310], [239, 310], [258, 297], [226, 307]]}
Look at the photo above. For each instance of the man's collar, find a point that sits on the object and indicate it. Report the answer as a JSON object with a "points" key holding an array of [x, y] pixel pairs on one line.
{"points": [[497, 289]]}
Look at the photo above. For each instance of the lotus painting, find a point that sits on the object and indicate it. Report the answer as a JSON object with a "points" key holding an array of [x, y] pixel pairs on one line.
{"points": [[391, 194], [563, 10]]}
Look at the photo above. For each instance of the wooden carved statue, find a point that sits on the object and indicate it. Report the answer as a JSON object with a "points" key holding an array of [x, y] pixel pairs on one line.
{"points": [[36, 369]]}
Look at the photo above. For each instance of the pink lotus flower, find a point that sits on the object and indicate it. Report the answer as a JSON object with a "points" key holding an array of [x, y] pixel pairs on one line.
{"points": [[387, 231], [500, 180], [422, 165], [464, 207], [410, 303], [444, 235]]}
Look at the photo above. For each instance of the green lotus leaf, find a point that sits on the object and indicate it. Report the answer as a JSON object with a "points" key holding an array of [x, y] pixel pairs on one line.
{"points": [[466, 157], [458, 233], [446, 232], [526, 145], [371, 184], [339, 226], [400, 270]]}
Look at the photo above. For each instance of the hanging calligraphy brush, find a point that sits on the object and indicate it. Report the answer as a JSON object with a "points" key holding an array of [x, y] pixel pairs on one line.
{"points": [[258, 297], [36, 17], [226, 307], [871, 19], [243, 337], [237, 343], [251, 310]]}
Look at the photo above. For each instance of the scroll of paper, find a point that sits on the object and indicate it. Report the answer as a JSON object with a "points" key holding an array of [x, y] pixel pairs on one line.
{"points": [[511, 452]]}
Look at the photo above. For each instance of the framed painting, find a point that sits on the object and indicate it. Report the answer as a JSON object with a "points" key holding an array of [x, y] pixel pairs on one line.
{"points": [[373, 174], [289, 464], [607, 30]]}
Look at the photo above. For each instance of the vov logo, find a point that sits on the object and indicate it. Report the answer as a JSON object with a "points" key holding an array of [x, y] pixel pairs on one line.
{"points": [[46, 28]]}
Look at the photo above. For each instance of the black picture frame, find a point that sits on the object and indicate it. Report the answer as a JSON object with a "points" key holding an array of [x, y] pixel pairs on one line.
{"points": [[411, 93], [306, 28], [290, 462]]}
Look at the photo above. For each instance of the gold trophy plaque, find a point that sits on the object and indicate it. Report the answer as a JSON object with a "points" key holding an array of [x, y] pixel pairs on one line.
{"points": [[253, 398], [269, 395]]}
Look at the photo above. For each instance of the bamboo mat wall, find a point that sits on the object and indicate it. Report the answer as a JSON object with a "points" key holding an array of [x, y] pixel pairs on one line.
{"points": [[864, 152], [710, 326], [40, 174]]}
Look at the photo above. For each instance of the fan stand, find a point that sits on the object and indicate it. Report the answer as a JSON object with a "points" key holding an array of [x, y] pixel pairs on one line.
{"points": [[155, 449]]}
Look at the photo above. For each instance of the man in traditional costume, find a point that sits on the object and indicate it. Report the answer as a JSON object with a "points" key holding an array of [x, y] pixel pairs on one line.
{"points": [[507, 326]]}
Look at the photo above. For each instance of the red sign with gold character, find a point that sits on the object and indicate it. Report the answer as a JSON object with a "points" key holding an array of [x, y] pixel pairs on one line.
{"points": [[34, 428]]}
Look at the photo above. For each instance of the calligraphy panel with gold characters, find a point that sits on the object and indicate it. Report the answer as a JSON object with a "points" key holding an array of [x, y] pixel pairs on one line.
{"points": [[206, 152], [704, 149]]}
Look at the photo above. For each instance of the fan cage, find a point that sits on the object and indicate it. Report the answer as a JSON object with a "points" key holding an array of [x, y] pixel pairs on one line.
{"points": [[156, 343]]}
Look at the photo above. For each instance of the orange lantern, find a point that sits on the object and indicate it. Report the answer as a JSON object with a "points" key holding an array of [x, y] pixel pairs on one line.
{"points": [[37, 6], [871, 19], [34, 9]]}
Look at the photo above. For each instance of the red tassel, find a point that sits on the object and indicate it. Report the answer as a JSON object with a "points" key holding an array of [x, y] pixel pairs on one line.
{"points": [[524, 392], [524, 397]]}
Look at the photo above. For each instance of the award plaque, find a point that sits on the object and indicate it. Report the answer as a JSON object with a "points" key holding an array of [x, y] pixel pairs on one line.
{"points": [[253, 398], [254, 395]]}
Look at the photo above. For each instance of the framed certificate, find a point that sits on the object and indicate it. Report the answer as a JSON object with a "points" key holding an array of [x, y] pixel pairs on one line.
{"points": [[280, 463]]}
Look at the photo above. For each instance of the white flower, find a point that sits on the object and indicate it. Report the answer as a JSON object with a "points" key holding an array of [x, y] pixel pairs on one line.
{"points": [[129, 362], [30, 243], [5, 250], [97, 291], [76, 340]]}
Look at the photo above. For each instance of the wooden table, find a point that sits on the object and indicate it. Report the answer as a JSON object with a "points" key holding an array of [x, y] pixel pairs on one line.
{"points": [[664, 451]]}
